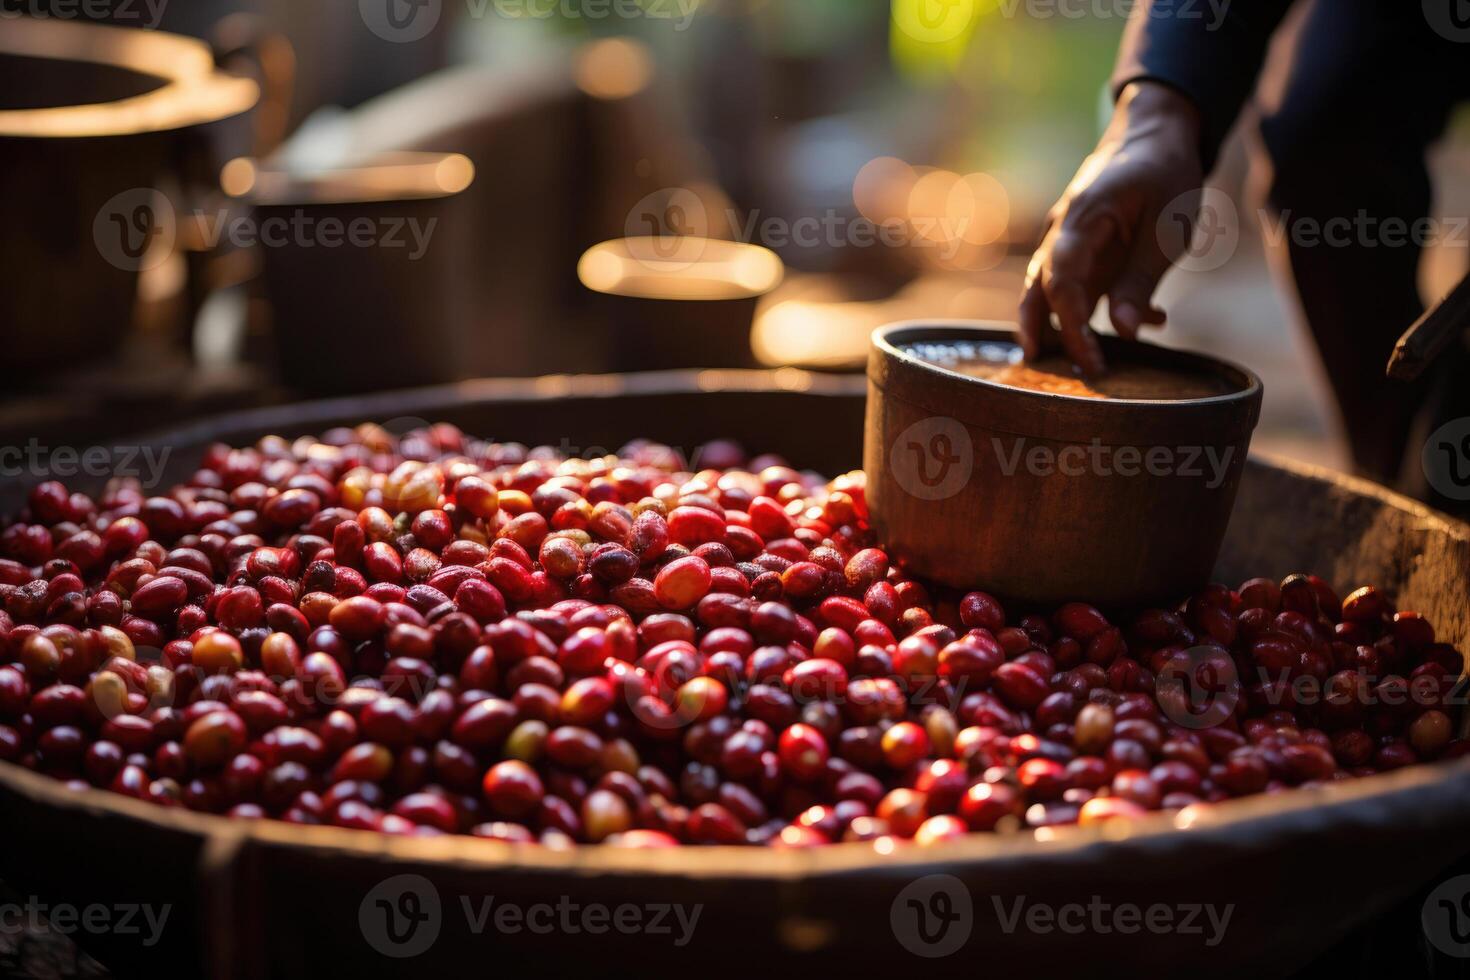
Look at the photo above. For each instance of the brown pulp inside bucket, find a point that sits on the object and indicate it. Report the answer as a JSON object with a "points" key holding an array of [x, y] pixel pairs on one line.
{"points": [[1000, 362]]}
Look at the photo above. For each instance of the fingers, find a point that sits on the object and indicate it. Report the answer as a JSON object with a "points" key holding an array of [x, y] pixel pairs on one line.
{"points": [[1128, 318], [1073, 307], [1129, 315], [1130, 301], [1078, 263], [1035, 319]]}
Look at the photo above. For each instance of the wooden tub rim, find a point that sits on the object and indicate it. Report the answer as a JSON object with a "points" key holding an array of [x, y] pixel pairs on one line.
{"points": [[989, 405], [1242, 818]]}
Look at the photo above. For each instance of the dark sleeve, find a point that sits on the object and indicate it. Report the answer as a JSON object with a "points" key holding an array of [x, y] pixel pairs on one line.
{"points": [[1210, 50]]}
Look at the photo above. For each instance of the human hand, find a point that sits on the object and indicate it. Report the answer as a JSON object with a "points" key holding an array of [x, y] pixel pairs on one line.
{"points": [[1102, 236]]}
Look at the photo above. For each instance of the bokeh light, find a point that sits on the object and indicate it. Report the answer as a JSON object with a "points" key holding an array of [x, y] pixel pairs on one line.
{"points": [[614, 68]]}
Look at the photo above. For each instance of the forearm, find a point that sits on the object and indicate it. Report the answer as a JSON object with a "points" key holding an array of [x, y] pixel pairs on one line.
{"points": [[1209, 51]]}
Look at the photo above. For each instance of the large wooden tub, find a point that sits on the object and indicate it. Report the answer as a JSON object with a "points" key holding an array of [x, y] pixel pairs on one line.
{"points": [[1299, 871]]}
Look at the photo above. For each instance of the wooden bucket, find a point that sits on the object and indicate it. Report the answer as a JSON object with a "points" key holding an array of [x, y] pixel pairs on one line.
{"points": [[1047, 496], [91, 117]]}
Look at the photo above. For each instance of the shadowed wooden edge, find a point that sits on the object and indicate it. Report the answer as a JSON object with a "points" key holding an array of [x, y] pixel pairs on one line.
{"points": [[1293, 517], [306, 417]]}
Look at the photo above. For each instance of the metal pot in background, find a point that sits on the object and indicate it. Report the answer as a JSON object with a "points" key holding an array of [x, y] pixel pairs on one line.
{"points": [[92, 120]]}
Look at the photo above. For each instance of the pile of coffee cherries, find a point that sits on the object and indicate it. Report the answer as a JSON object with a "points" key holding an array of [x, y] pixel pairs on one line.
{"points": [[434, 634]]}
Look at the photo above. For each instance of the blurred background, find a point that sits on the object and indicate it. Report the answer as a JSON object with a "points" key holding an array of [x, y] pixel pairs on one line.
{"points": [[315, 199]]}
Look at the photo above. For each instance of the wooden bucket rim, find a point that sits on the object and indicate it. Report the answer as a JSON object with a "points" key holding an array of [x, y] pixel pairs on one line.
{"points": [[1250, 816], [885, 340]]}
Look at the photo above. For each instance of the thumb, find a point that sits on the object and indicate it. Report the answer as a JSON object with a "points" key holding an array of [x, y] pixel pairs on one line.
{"points": [[1130, 300]]}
